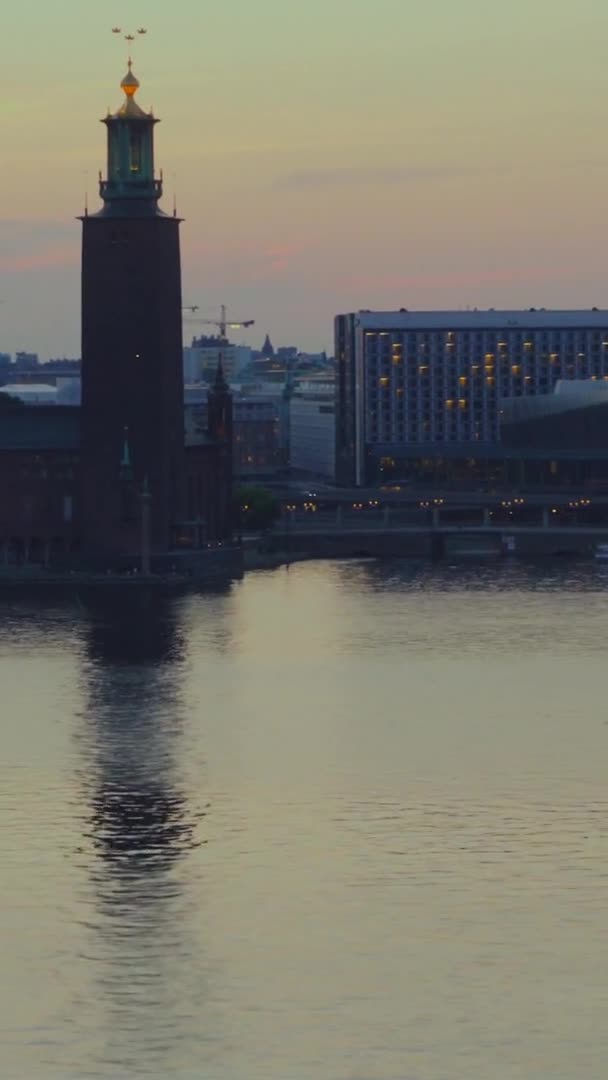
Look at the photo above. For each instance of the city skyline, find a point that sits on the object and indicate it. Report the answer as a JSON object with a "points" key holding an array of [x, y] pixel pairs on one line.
{"points": [[349, 157]]}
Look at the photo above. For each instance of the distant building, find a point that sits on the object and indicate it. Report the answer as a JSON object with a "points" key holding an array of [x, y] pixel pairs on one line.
{"points": [[25, 361], [5, 361], [312, 429], [63, 367], [50, 372], [34, 393], [256, 450], [414, 388], [61, 391], [201, 359]]}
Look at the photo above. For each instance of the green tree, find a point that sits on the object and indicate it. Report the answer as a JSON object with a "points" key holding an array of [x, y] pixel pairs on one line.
{"points": [[254, 508], [8, 402]]}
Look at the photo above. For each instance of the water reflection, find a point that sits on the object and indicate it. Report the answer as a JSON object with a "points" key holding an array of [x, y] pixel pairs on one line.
{"points": [[134, 714], [400, 773], [474, 576], [140, 824]]}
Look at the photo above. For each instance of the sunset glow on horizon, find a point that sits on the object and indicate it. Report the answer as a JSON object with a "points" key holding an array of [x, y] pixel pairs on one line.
{"points": [[347, 154]]}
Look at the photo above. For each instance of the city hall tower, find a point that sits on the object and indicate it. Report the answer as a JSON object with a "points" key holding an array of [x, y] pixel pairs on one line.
{"points": [[132, 425]]}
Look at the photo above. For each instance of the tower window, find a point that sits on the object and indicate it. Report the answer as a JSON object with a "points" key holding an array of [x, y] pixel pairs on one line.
{"points": [[119, 237], [135, 152]]}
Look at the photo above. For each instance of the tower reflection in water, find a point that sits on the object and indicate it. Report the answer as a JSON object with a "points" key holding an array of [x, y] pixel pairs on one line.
{"points": [[141, 828]]}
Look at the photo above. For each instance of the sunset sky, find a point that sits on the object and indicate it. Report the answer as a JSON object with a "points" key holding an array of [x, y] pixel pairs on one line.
{"points": [[326, 156]]}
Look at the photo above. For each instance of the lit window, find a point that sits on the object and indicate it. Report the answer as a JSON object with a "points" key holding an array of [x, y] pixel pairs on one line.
{"points": [[135, 152]]}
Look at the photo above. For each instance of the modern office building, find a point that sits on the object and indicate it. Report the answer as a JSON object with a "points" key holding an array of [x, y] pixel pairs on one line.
{"points": [[414, 388], [558, 440]]}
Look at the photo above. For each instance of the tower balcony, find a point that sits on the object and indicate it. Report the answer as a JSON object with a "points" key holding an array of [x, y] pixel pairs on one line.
{"points": [[131, 188]]}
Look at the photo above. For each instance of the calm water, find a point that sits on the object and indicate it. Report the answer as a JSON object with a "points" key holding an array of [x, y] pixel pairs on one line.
{"points": [[340, 822]]}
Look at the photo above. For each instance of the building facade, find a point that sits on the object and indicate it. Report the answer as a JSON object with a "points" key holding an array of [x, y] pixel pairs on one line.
{"points": [[558, 440], [312, 429], [416, 386], [202, 357], [256, 452]]}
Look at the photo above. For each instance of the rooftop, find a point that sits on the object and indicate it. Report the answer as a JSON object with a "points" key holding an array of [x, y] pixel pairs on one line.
{"points": [[492, 318], [32, 428]]}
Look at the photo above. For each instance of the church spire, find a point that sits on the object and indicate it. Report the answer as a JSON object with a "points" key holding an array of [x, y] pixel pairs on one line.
{"points": [[220, 386], [267, 348], [130, 188]]}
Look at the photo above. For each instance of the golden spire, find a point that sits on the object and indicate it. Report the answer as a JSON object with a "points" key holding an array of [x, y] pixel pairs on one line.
{"points": [[130, 84]]}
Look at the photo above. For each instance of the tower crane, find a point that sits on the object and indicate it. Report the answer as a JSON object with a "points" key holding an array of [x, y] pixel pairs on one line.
{"points": [[222, 323]]}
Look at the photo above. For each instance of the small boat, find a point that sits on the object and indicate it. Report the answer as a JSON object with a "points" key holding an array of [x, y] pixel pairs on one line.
{"points": [[601, 552]]}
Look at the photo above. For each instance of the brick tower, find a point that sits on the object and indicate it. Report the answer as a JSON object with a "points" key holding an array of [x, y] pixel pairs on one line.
{"points": [[132, 434]]}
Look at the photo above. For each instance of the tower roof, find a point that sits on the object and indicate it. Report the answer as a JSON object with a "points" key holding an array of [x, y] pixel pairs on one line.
{"points": [[130, 86]]}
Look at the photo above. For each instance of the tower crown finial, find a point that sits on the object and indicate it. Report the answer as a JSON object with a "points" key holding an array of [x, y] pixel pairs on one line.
{"points": [[130, 84]]}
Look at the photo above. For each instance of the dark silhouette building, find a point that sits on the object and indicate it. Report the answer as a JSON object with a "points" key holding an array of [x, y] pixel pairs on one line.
{"points": [[116, 479], [132, 388]]}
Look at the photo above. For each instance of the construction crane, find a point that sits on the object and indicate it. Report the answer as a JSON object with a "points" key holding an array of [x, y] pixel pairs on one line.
{"points": [[222, 323]]}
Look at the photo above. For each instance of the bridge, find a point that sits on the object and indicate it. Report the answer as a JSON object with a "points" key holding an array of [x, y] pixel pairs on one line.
{"points": [[432, 529]]}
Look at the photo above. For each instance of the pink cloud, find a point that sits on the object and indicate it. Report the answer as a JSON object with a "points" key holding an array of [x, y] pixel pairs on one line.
{"points": [[40, 260], [39, 244], [243, 261], [457, 278]]}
